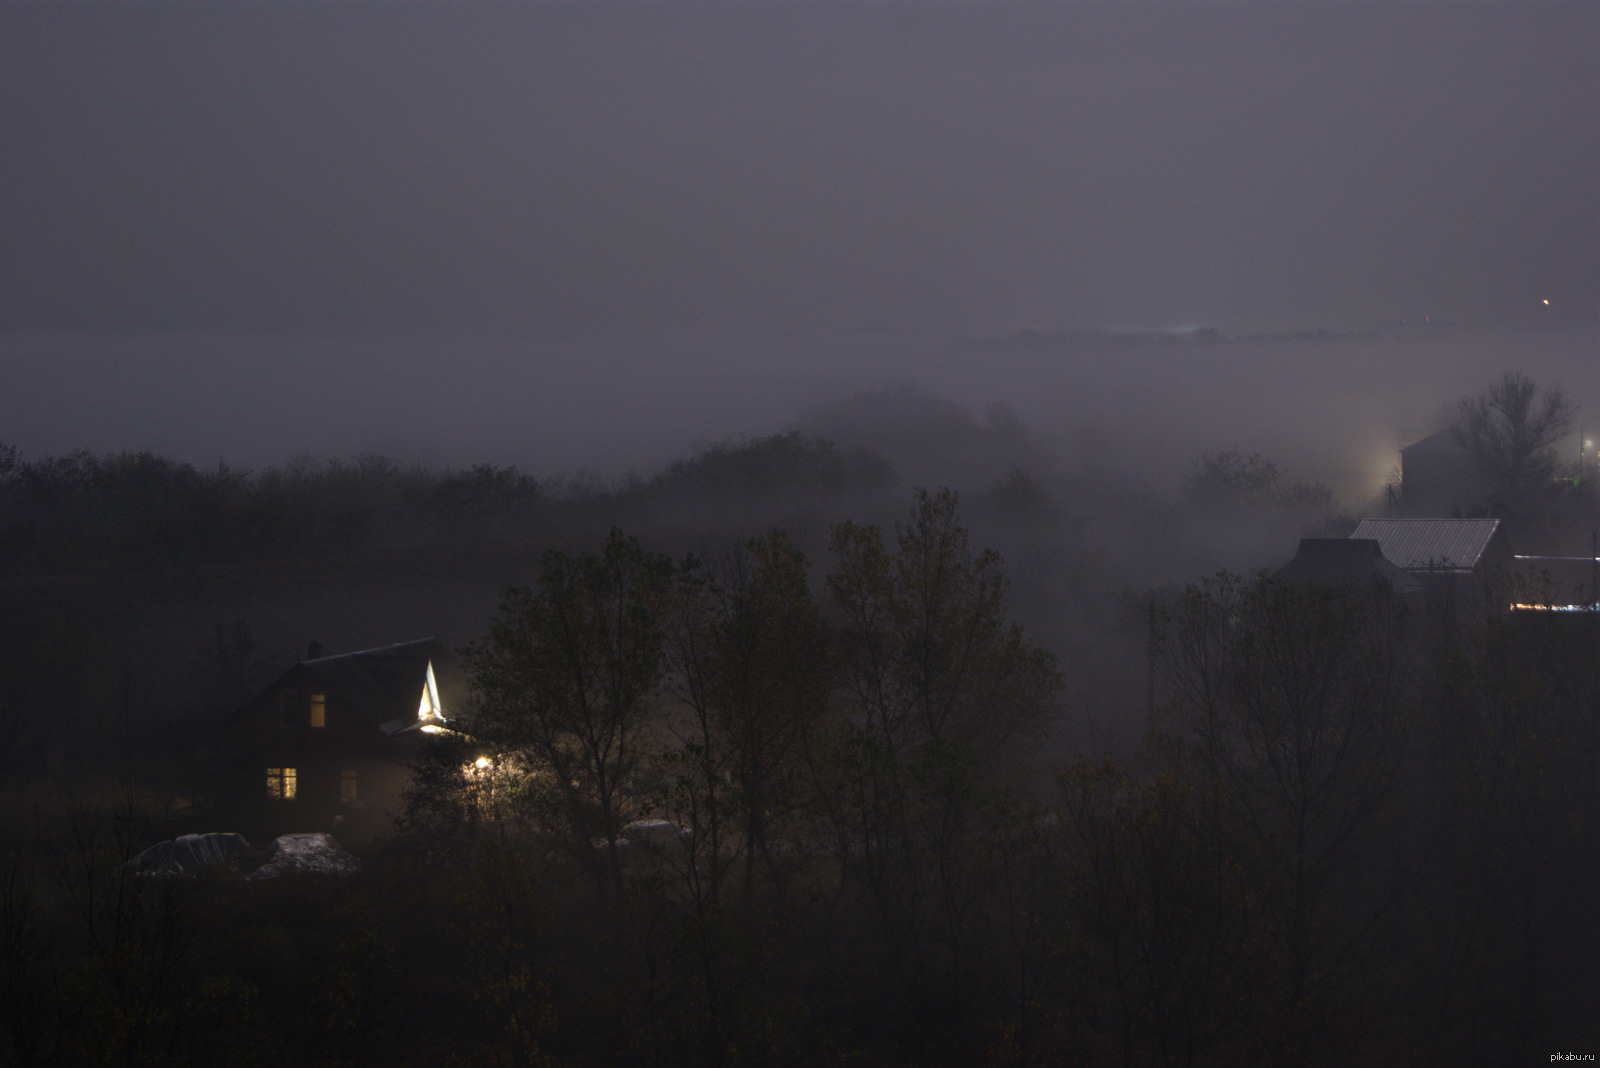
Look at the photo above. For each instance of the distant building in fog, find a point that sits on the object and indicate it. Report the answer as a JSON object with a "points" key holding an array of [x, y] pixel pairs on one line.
{"points": [[1438, 478]]}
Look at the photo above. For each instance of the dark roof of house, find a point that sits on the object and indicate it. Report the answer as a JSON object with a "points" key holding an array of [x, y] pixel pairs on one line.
{"points": [[1431, 544], [1439, 443], [384, 684], [1344, 562]]}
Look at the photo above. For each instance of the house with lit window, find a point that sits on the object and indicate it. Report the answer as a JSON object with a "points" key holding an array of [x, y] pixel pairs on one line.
{"points": [[327, 746]]}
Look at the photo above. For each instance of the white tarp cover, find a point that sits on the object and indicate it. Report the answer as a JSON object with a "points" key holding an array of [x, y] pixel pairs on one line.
{"points": [[314, 852], [656, 831], [189, 853]]}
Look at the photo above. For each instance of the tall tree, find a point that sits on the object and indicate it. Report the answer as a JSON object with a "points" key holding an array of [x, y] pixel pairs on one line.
{"points": [[750, 665], [936, 686], [565, 679], [929, 651], [1289, 710], [748, 658], [1510, 429]]}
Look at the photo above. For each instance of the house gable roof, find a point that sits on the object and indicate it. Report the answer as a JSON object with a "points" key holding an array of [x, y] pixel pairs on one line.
{"points": [[1439, 443], [383, 686], [1432, 544], [1344, 562]]}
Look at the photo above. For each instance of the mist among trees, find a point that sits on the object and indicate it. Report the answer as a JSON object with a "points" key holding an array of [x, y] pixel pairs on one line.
{"points": [[773, 758]]}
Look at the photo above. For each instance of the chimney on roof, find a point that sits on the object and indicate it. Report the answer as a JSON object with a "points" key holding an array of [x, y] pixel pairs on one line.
{"points": [[314, 651]]}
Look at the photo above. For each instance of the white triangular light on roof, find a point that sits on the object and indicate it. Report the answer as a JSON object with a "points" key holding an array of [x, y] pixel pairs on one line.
{"points": [[429, 710]]}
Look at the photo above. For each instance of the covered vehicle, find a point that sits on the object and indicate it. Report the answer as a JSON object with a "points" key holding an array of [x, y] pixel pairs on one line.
{"points": [[314, 852], [190, 854]]}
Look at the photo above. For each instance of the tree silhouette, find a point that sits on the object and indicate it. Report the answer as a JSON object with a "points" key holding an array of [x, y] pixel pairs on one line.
{"points": [[1509, 429], [565, 678]]}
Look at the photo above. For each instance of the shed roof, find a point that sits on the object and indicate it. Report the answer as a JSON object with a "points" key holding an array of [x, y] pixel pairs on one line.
{"points": [[1431, 544]]}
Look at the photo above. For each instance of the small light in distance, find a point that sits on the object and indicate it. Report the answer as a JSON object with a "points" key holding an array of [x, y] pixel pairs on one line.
{"points": [[1546, 302], [481, 763]]}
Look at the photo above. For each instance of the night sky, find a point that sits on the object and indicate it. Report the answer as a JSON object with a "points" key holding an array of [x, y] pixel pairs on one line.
{"points": [[204, 198]]}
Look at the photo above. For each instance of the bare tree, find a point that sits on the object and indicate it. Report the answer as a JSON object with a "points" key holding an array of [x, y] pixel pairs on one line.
{"points": [[1288, 709], [1509, 428]]}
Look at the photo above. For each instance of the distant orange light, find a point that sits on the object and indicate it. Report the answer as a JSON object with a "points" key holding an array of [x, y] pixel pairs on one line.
{"points": [[1547, 301]]}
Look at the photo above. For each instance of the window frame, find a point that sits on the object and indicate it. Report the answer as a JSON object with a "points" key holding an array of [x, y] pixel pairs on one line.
{"points": [[283, 783]]}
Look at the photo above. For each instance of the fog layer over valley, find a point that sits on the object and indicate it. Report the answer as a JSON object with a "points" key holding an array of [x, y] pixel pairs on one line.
{"points": [[1096, 514], [762, 527], [1334, 405]]}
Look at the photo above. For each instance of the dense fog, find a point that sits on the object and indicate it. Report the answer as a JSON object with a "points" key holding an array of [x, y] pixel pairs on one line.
{"points": [[566, 236], [1335, 407], [360, 167], [841, 451]]}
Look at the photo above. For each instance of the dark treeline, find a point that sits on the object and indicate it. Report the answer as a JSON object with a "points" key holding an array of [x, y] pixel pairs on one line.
{"points": [[90, 513], [139, 596], [728, 812], [842, 794]]}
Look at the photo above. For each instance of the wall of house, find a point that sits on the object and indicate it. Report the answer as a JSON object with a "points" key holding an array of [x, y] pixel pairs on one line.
{"points": [[1438, 484], [320, 758]]}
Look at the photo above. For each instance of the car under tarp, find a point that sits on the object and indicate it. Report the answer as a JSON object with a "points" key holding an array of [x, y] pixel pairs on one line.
{"points": [[313, 852], [189, 854]]}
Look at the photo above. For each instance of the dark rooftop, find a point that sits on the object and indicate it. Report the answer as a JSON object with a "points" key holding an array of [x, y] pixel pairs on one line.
{"points": [[1344, 562]]}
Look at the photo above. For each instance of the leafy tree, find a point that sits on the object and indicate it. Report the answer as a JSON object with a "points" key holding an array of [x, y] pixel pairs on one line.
{"points": [[929, 652], [1288, 706], [1507, 924], [565, 680], [1159, 916], [750, 666], [936, 686]]}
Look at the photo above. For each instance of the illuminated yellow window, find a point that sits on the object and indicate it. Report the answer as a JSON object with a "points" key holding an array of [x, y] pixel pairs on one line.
{"points": [[319, 710], [347, 784], [281, 784]]}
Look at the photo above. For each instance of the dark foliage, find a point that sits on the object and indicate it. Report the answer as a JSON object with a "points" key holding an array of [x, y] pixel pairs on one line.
{"points": [[83, 513], [731, 811]]}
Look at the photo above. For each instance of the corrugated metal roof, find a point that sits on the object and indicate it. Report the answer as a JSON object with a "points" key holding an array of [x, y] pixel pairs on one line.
{"points": [[1423, 544]]}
